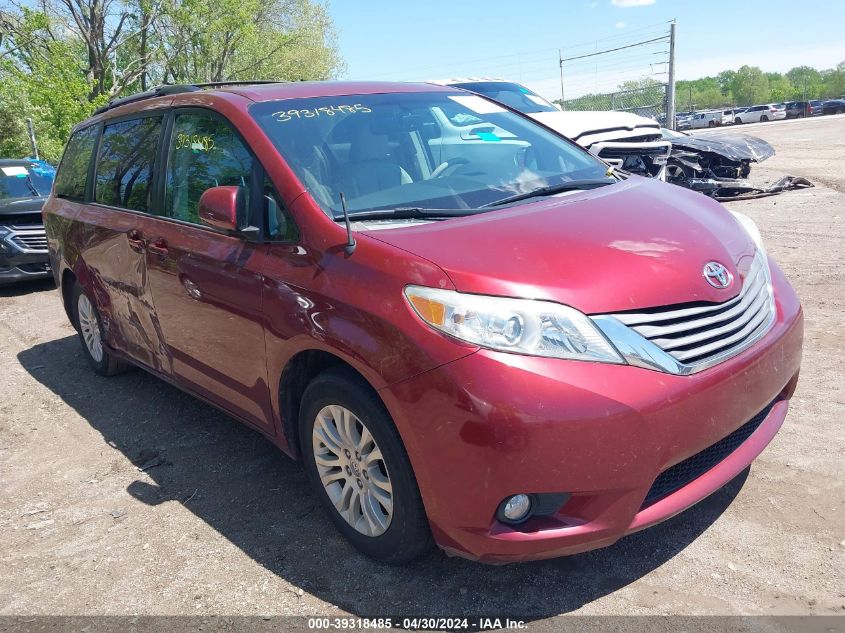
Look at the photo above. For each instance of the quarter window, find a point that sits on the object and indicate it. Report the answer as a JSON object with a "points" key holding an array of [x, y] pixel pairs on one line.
{"points": [[125, 165], [204, 152], [72, 176]]}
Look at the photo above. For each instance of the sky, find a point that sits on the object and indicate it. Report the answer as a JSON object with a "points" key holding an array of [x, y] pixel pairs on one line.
{"points": [[520, 40]]}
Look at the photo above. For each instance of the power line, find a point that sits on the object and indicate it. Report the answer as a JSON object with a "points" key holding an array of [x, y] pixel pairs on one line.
{"points": [[611, 50]]}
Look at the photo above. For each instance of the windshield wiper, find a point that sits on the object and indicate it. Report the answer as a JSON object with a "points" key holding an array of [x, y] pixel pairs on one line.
{"points": [[31, 185], [550, 190], [409, 213]]}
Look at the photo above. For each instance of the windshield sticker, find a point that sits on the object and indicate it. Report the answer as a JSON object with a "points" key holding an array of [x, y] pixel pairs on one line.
{"points": [[284, 116], [17, 171], [488, 136], [195, 142], [477, 104]]}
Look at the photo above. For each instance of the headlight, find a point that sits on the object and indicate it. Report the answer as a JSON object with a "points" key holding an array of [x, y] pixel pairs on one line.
{"points": [[753, 232], [522, 326]]}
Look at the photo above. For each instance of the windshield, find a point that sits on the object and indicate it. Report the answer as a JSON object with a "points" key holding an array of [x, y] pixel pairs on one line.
{"points": [[425, 150], [668, 134], [25, 181], [514, 96]]}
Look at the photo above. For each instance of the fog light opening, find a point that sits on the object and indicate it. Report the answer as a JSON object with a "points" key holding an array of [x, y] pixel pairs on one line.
{"points": [[515, 509]]}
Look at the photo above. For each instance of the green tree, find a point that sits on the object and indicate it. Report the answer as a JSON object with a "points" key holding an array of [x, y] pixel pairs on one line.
{"points": [[725, 80], [750, 86], [60, 62]]}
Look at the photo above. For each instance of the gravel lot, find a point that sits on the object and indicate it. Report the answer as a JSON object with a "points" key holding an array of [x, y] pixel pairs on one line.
{"points": [[222, 523]]}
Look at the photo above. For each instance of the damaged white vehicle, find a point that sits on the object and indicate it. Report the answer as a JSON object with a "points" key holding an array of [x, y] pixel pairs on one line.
{"points": [[627, 141], [716, 167]]}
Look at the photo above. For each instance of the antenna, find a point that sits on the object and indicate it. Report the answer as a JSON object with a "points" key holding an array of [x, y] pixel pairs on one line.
{"points": [[349, 248]]}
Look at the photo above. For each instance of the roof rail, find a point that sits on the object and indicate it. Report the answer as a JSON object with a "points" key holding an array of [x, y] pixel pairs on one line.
{"points": [[158, 91], [238, 82], [172, 89]]}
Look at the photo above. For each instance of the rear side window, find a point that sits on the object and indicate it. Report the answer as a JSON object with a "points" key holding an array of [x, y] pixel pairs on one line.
{"points": [[72, 176], [125, 164], [204, 152]]}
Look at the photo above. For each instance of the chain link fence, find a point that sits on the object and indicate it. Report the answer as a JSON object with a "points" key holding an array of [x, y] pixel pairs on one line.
{"points": [[648, 101]]}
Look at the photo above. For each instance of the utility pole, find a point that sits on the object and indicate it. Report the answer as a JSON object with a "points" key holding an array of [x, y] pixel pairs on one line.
{"points": [[670, 99], [32, 138], [560, 63]]}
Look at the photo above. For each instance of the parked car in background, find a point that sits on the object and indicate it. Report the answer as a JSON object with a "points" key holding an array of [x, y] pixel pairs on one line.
{"points": [[711, 118], [761, 113], [624, 139], [682, 120], [833, 106], [727, 117], [797, 109], [24, 187], [467, 329], [815, 107]]}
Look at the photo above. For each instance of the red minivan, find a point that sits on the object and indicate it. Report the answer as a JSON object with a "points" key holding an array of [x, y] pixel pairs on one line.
{"points": [[471, 331]]}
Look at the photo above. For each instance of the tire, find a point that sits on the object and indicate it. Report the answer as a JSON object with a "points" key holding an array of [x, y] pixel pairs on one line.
{"points": [[764, 119], [737, 121], [711, 124], [394, 535], [89, 328]]}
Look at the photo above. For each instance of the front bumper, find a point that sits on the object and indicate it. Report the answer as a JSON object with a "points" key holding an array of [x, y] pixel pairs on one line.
{"points": [[15, 267], [492, 424]]}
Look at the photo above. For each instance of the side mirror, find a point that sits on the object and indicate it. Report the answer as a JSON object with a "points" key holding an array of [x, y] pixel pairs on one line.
{"points": [[218, 207]]}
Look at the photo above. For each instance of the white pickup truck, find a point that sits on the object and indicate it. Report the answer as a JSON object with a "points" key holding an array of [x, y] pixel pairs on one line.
{"points": [[623, 139], [706, 119]]}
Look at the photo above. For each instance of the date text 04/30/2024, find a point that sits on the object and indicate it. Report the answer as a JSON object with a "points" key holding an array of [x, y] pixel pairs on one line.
{"points": [[415, 623]]}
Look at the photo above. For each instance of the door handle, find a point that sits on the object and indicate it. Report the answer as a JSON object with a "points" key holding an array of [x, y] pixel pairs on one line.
{"points": [[136, 242], [158, 247]]}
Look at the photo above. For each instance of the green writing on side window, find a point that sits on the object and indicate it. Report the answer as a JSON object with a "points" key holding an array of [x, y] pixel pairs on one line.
{"points": [[195, 142], [287, 115]]}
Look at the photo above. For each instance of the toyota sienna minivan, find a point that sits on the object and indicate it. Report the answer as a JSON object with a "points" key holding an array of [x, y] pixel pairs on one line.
{"points": [[471, 331]]}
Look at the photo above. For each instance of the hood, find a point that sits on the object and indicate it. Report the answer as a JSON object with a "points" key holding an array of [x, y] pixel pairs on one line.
{"points": [[636, 244], [731, 146], [21, 206], [586, 128]]}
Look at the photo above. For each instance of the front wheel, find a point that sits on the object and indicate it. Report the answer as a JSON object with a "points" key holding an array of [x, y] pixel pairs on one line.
{"points": [[90, 329], [359, 469]]}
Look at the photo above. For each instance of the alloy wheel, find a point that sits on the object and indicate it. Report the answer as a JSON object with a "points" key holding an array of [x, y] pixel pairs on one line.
{"points": [[352, 470], [90, 328]]}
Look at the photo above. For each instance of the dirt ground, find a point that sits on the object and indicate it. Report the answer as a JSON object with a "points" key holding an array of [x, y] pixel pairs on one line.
{"points": [[221, 523]]}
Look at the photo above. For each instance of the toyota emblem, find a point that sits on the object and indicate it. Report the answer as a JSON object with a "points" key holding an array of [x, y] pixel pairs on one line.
{"points": [[717, 275]]}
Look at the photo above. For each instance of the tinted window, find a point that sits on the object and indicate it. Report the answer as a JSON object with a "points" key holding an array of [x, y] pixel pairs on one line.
{"points": [[204, 152], [125, 165], [73, 170]]}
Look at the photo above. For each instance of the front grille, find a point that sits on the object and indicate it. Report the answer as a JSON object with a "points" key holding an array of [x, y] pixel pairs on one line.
{"points": [[701, 335], [28, 237], [692, 468]]}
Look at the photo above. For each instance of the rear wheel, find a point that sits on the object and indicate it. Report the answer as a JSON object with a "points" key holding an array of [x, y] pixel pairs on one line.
{"points": [[90, 330], [359, 469], [711, 124], [737, 121], [764, 118]]}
